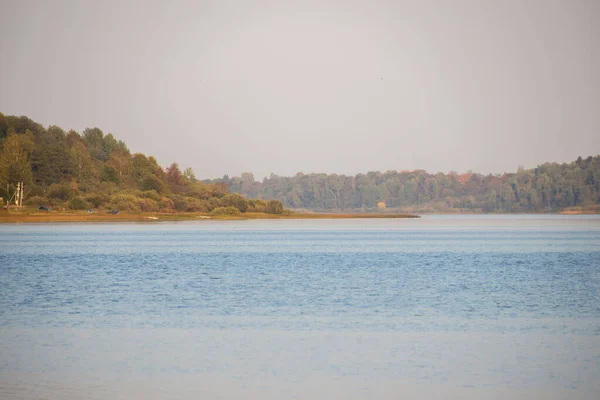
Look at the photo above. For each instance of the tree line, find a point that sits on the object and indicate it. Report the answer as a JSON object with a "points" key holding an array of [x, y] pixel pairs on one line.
{"points": [[79, 171], [95, 170], [548, 187]]}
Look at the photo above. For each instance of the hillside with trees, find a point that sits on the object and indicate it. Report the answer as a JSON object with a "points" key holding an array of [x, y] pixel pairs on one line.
{"points": [[92, 170], [550, 187]]}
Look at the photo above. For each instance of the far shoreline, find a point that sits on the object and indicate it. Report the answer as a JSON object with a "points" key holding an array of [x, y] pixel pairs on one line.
{"points": [[103, 216], [8, 217]]}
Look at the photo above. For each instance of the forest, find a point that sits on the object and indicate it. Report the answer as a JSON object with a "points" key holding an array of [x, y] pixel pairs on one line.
{"points": [[95, 170], [91, 170], [549, 187]]}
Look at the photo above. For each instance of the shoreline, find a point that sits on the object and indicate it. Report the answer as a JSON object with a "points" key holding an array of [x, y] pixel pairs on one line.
{"points": [[78, 216], [72, 216]]}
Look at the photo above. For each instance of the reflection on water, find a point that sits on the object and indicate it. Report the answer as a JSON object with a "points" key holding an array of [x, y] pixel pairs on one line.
{"points": [[452, 307]]}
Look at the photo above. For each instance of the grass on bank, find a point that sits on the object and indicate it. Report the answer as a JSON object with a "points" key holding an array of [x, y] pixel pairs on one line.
{"points": [[30, 214]]}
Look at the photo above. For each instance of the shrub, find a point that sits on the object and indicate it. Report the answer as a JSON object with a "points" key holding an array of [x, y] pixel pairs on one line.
{"points": [[235, 200], [152, 182], [60, 191], [148, 205], [225, 211], [97, 199], [219, 190], [179, 202], [124, 202], [151, 194], [274, 207], [107, 188], [80, 187], [200, 191], [77, 203], [256, 206], [35, 190], [213, 203], [196, 205], [36, 201], [166, 204]]}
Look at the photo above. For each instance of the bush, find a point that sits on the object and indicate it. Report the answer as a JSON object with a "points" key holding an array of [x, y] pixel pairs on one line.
{"points": [[219, 190], [152, 182], [108, 188], [225, 211], [256, 206], [151, 194], [77, 203], [36, 201], [200, 191], [274, 207], [124, 202], [35, 190], [235, 200], [179, 202], [97, 199], [60, 191], [213, 203], [166, 204], [148, 205], [196, 205]]}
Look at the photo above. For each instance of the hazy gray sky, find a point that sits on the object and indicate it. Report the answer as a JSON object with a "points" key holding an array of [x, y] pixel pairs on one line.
{"points": [[313, 86]]}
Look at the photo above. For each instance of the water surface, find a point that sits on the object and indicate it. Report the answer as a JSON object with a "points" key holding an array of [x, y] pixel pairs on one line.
{"points": [[443, 306]]}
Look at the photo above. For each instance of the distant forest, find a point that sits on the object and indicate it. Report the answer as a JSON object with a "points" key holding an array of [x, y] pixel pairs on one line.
{"points": [[549, 187], [93, 170]]}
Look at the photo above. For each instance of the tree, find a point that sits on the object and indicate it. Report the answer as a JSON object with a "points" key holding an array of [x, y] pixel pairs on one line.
{"points": [[81, 162], [110, 174], [141, 166], [50, 159], [120, 160], [152, 182], [15, 158], [110, 144], [189, 176], [100, 167], [247, 177], [174, 177], [3, 127], [93, 138], [72, 138]]}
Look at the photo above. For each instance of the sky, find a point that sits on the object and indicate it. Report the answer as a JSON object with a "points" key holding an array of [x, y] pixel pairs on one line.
{"points": [[340, 87]]}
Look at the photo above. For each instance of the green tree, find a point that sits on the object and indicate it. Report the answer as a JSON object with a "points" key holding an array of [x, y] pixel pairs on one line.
{"points": [[152, 182], [141, 166], [81, 161], [15, 158], [93, 138], [110, 174], [189, 176], [3, 127], [50, 159]]}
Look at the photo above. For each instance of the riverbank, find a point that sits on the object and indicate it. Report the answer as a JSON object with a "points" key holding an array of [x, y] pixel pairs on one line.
{"points": [[80, 216]]}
